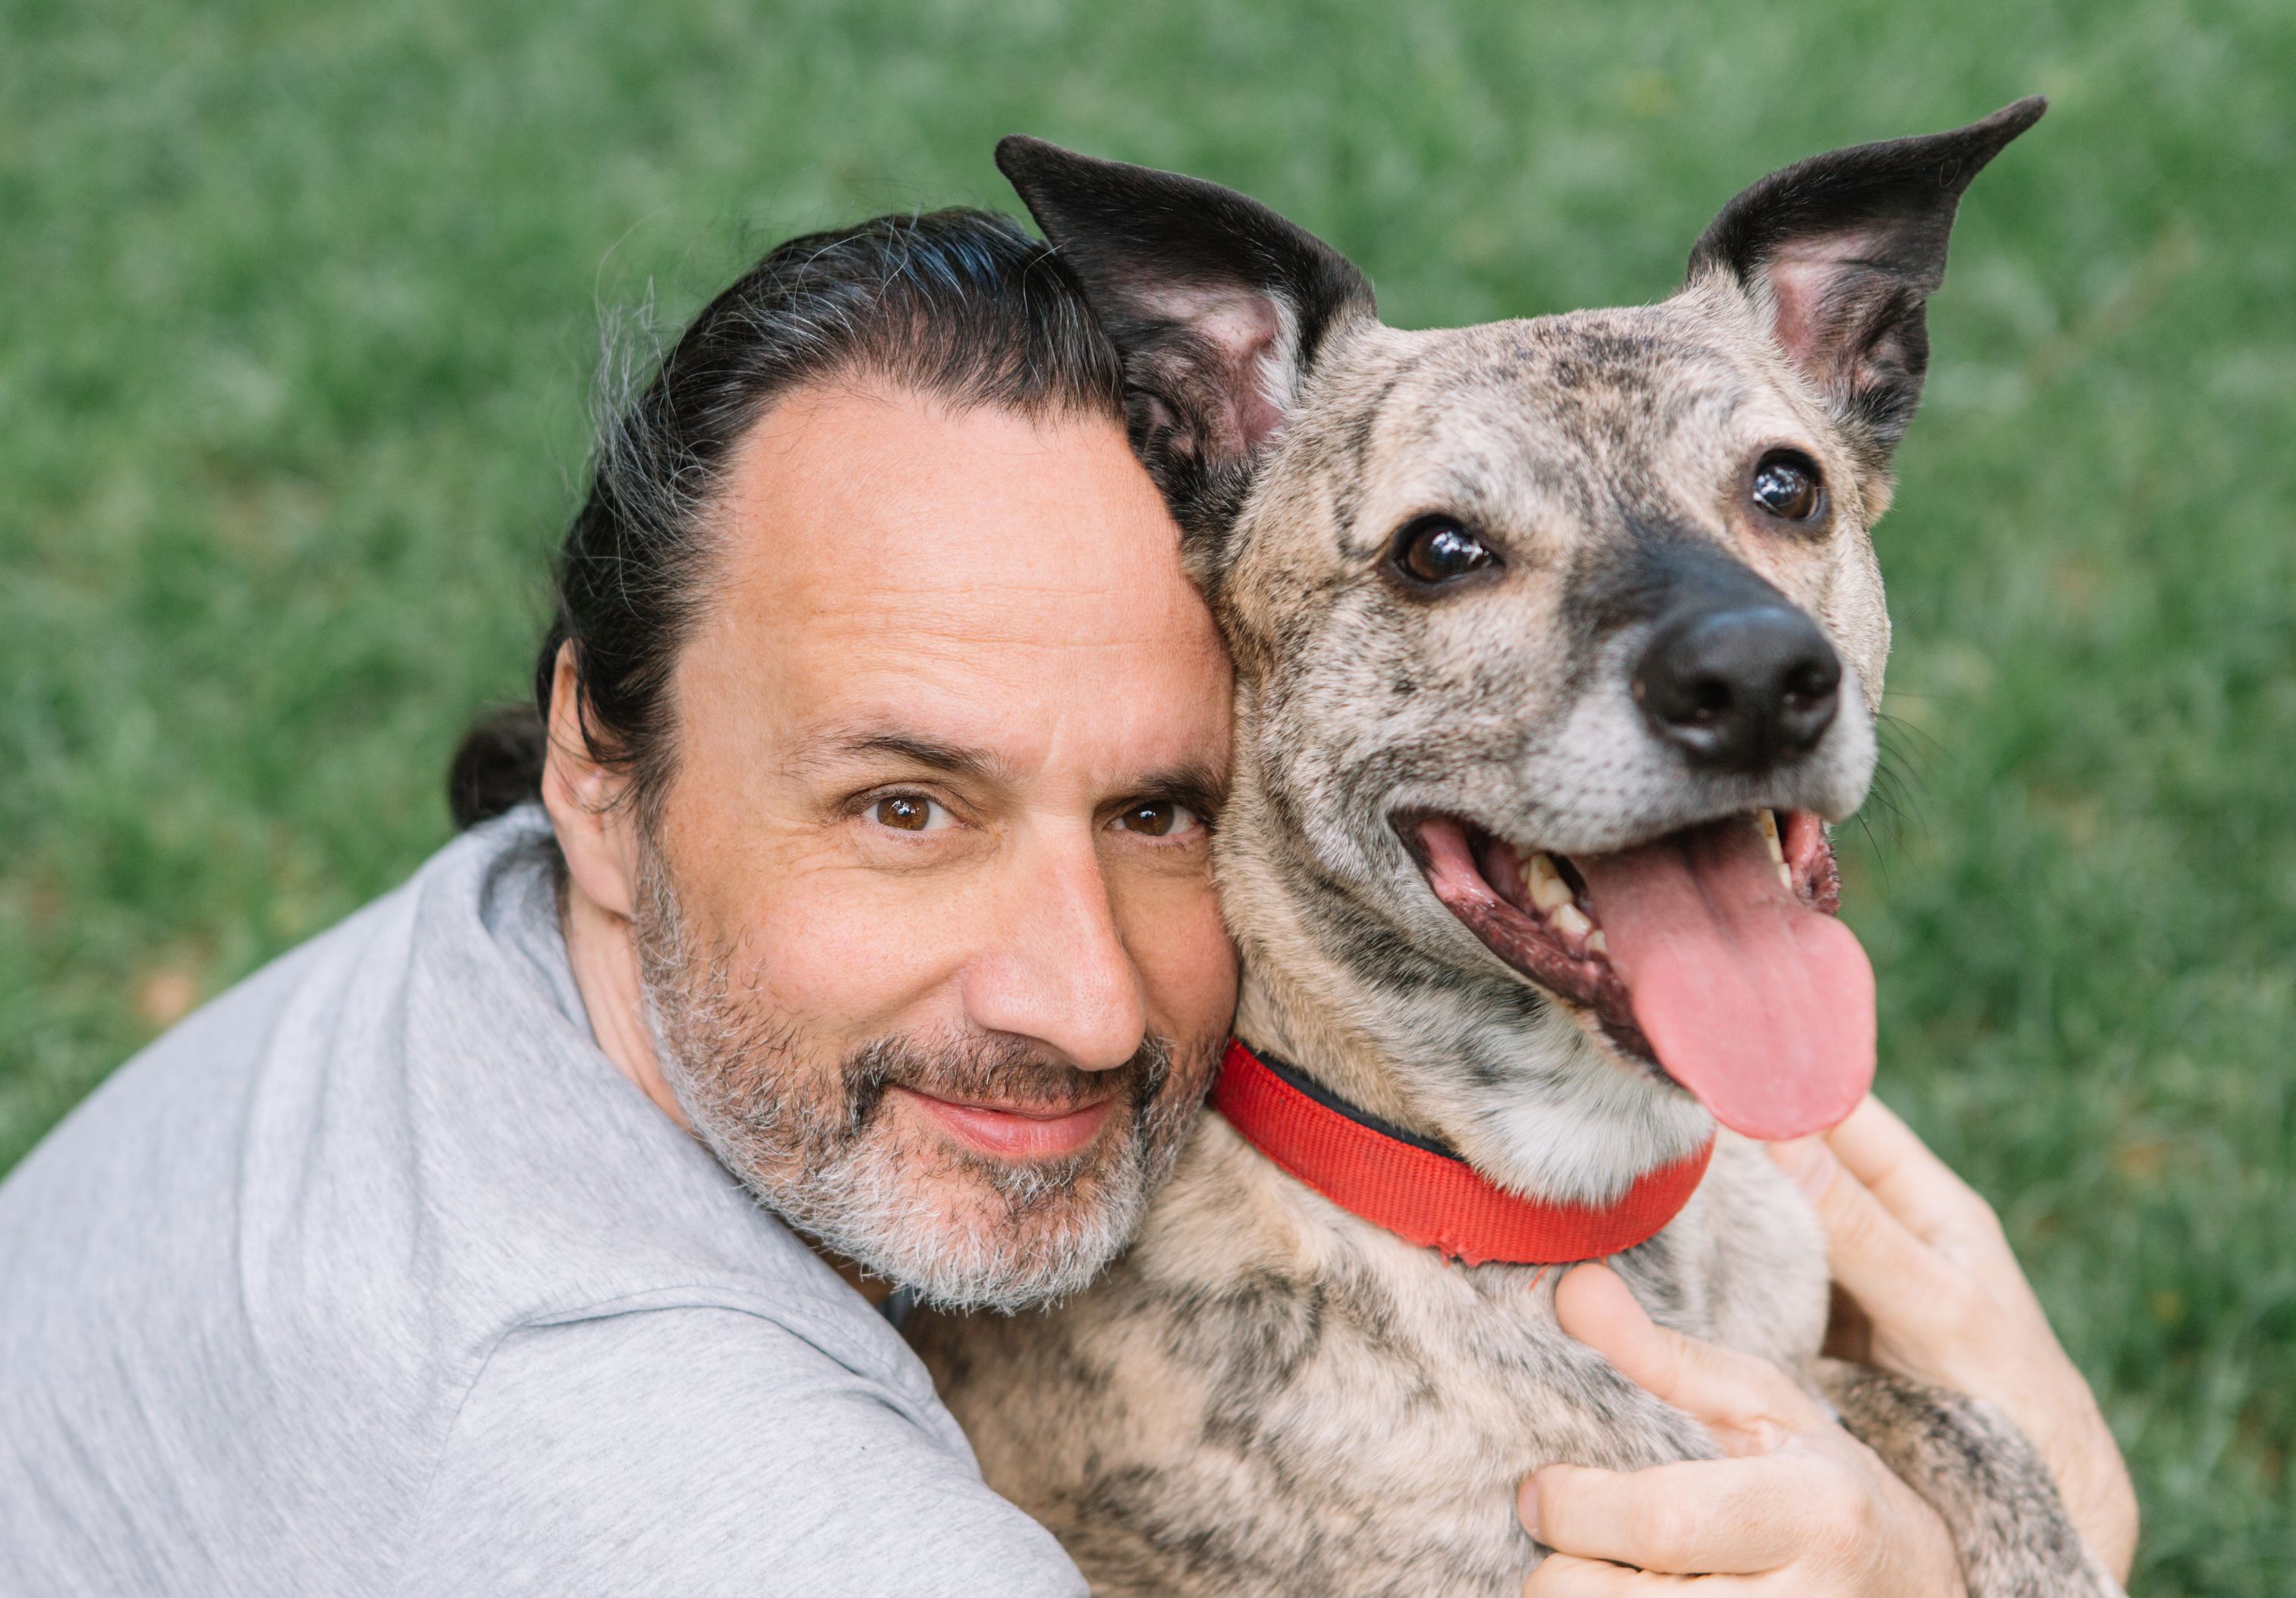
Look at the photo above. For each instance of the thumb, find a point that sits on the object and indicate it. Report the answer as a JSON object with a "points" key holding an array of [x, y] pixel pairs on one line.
{"points": [[1743, 1400], [1897, 1279]]}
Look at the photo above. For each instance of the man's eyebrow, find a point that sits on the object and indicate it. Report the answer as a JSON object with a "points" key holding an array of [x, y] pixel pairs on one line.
{"points": [[1200, 788], [955, 760]]}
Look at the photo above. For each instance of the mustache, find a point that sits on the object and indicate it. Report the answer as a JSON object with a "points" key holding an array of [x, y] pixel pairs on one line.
{"points": [[1007, 1070]]}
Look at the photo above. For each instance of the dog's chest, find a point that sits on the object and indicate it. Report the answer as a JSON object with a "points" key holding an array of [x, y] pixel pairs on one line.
{"points": [[1268, 1397]]}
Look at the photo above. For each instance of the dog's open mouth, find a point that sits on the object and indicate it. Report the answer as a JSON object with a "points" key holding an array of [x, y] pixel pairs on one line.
{"points": [[1712, 954]]}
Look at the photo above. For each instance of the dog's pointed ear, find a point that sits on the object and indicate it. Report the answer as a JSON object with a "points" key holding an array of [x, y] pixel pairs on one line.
{"points": [[1218, 305], [1840, 254]]}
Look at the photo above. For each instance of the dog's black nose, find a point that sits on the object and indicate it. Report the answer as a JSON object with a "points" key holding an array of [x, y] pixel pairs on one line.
{"points": [[1740, 688]]}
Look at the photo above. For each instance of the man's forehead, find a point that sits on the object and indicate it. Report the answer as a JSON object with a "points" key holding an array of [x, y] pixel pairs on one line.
{"points": [[860, 501], [970, 580]]}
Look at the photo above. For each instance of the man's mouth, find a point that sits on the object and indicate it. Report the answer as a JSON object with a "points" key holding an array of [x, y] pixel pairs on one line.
{"points": [[1014, 1131], [1711, 954]]}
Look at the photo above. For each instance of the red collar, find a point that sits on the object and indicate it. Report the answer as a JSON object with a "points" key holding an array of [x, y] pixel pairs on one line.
{"points": [[1422, 1192]]}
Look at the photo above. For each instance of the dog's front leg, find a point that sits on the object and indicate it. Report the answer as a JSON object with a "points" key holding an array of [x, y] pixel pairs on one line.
{"points": [[1977, 1470]]}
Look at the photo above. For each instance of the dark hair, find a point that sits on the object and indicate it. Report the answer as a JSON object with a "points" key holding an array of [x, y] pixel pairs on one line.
{"points": [[959, 304]]}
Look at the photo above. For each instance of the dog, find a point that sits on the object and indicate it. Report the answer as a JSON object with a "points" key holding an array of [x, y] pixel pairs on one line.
{"points": [[1559, 644]]}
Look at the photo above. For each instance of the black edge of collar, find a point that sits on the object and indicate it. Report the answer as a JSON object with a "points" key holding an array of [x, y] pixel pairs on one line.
{"points": [[1289, 1077]]}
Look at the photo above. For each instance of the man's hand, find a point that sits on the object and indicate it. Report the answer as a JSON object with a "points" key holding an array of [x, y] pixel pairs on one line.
{"points": [[1797, 1509], [1939, 1297]]}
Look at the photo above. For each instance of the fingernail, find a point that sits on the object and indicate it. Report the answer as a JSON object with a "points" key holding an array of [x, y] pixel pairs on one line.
{"points": [[1808, 1162], [1526, 1505]]}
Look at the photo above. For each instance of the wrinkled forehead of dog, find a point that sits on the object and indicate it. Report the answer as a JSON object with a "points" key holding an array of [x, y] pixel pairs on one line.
{"points": [[1259, 378], [1558, 434]]}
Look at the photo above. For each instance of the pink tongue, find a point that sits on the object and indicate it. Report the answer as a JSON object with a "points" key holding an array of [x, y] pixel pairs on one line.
{"points": [[1759, 1005]]}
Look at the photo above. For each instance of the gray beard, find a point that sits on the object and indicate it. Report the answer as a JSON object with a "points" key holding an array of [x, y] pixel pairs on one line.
{"points": [[808, 1136]]}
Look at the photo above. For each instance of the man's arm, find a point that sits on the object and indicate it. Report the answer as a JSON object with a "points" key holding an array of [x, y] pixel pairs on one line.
{"points": [[1941, 1298], [701, 1452], [1797, 1508], [1804, 1508]]}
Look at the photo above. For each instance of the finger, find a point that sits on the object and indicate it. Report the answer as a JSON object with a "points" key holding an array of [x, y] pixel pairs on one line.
{"points": [[1899, 1169], [1732, 1393], [1700, 1518], [1566, 1576], [1896, 1278]]}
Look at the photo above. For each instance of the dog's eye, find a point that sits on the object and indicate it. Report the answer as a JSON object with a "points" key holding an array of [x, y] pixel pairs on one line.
{"points": [[1787, 485], [1436, 549]]}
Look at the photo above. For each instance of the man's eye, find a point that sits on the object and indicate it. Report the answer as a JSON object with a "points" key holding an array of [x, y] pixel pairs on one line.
{"points": [[1158, 818], [909, 813]]}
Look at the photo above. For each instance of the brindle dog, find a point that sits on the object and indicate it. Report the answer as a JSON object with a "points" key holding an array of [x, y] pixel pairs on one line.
{"points": [[1586, 600]]}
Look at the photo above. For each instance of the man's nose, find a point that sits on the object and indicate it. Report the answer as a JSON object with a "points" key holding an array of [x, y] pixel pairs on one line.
{"points": [[1740, 687], [1055, 968]]}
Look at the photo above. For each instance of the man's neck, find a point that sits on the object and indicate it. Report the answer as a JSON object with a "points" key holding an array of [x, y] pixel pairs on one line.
{"points": [[875, 1289], [602, 949]]}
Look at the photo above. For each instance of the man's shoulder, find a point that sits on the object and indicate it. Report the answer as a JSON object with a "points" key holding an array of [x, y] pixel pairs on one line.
{"points": [[694, 1349], [400, 1121], [296, 1015], [778, 1314], [708, 1447]]}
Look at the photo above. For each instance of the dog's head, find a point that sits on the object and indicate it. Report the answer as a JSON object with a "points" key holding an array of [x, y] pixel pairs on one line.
{"points": [[1559, 641]]}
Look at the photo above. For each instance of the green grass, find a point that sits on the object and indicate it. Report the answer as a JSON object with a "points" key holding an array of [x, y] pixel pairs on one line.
{"points": [[302, 303]]}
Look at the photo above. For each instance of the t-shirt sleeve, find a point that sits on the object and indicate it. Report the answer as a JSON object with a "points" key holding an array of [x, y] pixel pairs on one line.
{"points": [[698, 1451]]}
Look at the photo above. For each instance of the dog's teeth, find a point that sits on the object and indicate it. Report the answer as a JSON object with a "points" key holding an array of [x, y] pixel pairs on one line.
{"points": [[1767, 821], [1597, 944], [1571, 921], [1785, 875], [1548, 890]]}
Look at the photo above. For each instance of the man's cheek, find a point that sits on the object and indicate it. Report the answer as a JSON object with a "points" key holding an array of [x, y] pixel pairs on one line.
{"points": [[1186, 961], [863, 954]]}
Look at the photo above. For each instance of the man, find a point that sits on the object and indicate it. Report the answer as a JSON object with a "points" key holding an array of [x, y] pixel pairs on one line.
{"points": [[525, 1232]]}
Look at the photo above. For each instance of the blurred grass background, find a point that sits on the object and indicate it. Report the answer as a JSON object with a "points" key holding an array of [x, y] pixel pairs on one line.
{"points": [[301, 305]]}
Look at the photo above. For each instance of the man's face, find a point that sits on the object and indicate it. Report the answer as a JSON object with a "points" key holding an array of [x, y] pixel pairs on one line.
{"points": [[928, 931]]}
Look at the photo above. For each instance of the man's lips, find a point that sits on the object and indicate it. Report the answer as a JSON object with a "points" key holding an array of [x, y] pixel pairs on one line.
{"points": [[1014, 1131]]}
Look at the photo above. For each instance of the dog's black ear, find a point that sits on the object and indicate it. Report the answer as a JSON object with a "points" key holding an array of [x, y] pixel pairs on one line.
{"points": [[1840, 254], [1218, 305]]}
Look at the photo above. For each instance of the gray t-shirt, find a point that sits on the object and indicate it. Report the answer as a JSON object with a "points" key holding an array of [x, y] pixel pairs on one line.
{"points": [[374, 1276]]}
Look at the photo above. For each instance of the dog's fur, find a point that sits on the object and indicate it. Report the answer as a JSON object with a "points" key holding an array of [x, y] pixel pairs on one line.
{"points": [[1268, 1394]]}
